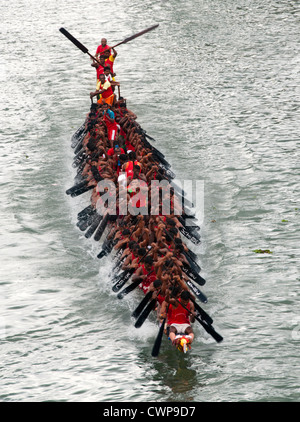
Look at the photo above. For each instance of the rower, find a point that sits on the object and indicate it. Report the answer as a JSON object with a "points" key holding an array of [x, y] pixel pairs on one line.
{"points": [[125, 238], [146, 273], [128, 167], [99, 66], [179, 318], [158, 293], [110, 59], [130, 253]]}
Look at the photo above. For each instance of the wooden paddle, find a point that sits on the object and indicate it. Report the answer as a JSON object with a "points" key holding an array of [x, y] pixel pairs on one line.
{"points": [[142, 304], [132, 37], [157, 343], [143, 316], [86, 51], [126, 274], [77, 43]]}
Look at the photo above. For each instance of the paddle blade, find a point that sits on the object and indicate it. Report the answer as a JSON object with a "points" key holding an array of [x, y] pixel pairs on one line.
{"points": [[157, 344], [101, 228], [210, 330], [128, 289], [201, 313], [142, 304], [142, 318], [201, 296], [137, 35], [73, 40], [122, 279]]}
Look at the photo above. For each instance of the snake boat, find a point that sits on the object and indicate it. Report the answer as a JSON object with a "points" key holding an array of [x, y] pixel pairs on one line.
{"points": [[148, 246]]}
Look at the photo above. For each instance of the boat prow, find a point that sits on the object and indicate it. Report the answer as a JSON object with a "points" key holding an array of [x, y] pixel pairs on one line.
{"points": [[183, 342]]}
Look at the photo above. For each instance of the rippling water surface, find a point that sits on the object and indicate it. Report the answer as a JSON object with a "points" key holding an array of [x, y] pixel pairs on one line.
{"points": [[217, 86]]}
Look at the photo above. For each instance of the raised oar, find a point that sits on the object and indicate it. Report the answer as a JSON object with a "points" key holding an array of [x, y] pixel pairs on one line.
{"points": [[84, 223], [86, 211], [101, 228], [132, 37], [190, 256], [77, 43], [193, 267], [191, 236], [78, 135], [107, 246], [97, 218], [128, 289], [192, 262], [82, 190], [192, 274], [86, 51], [76, 187]]}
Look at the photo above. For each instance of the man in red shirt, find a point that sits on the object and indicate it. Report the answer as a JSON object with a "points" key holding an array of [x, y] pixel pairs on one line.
{"points": [[104, 89], [115, 150], [99, 67], [114, 154], [103, 46], [109, 59], [179, 317], [111, 124], [146, 273]]}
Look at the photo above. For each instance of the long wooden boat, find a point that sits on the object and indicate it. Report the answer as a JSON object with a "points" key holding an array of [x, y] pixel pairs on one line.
{"points": [[149, 248]]}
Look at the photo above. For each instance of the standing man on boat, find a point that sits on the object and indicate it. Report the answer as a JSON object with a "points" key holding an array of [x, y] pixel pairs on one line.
{"points": [[102, 47]]}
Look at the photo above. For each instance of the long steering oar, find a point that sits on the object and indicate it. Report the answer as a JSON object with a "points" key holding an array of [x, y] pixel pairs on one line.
{"points": [[86, 51], [132, 37], [77, 43]]}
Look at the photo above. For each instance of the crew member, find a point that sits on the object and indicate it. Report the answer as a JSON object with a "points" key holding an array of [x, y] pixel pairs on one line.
{"points": [[102, 47], [104, 89], [111, 125], [181, 314], [146, 273], [109, 59], [99, 66]]}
